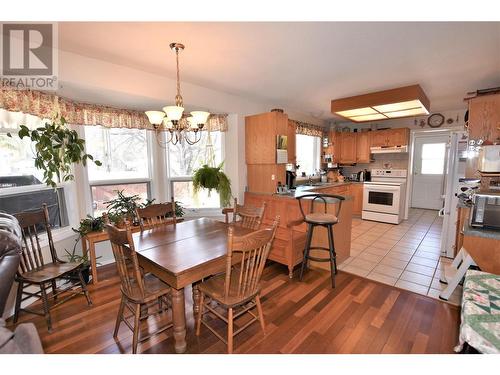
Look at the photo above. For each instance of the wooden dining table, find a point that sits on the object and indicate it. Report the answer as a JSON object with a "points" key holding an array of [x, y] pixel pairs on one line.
{"points": [[181, 255]]}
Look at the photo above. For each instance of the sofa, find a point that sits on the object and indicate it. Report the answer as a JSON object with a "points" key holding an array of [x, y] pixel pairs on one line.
{"points": [[24, 339]]}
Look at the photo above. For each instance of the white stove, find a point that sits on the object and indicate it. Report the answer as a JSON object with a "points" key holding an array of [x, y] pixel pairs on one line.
{"points": [[384, 196]]}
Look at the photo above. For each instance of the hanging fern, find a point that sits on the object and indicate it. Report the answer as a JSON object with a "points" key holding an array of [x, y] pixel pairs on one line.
{"points": [[213, 178]]}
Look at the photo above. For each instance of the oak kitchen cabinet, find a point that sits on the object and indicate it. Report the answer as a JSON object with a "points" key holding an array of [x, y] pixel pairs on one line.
{"points": [[363, 147], [263, 173], [390, 137], [292, 155], [356, 191], [348, 148], [333, 147]]}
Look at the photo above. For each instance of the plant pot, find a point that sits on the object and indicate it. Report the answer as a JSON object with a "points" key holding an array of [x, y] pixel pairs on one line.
{"points": [[86, 274]]}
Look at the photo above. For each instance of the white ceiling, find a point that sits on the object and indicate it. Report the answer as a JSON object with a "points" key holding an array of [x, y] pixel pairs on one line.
{"points": [[303, 66]]}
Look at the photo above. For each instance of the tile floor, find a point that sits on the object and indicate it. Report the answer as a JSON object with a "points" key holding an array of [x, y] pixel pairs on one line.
{"points": [[405, 255]]}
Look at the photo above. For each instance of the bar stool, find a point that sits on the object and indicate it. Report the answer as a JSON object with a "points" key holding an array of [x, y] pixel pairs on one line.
{"points": [[324, 219]]}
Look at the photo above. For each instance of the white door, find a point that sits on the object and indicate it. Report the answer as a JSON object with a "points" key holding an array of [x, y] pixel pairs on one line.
{"points": [[429, 159]]}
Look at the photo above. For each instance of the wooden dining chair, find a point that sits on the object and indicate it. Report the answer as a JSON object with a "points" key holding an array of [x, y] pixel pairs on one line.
{"points": [[34, 271], [238, 290], [139, 292], [246, 216], [156, 215]]}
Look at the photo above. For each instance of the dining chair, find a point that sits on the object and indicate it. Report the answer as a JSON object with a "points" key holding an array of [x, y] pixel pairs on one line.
{"points": [[238, 290], [34, 271], [139, 292], [156, 214], [246, 216]]}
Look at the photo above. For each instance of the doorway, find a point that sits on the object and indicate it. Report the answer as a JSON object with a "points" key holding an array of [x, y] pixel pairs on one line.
{"points": [[429, 161]]}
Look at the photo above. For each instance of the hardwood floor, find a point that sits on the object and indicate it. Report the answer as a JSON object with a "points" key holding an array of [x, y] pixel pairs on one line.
{"points": [[359, 316]]}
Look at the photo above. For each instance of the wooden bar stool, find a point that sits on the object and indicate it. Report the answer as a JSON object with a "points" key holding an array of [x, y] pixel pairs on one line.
{"points": [[324, 219]]}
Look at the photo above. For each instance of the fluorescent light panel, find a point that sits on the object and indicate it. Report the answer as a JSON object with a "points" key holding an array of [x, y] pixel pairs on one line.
{"points": [[357, 112], [376, 116], [394, 107], [408, 112]]}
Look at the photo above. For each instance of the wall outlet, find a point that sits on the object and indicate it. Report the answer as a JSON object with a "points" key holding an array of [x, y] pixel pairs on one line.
{"points": [[273, 177]]}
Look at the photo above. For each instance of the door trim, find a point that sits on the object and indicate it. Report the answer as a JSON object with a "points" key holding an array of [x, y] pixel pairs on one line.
{"points": [[415, 133]]}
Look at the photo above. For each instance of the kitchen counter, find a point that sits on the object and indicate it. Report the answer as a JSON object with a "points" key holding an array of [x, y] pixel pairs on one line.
{"points": [[290, 237], [481, 232]]}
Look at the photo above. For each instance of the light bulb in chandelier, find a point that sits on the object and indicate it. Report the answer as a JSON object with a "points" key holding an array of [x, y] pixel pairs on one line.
{"points": [[155, 117], [200, 117], [174, 113]]}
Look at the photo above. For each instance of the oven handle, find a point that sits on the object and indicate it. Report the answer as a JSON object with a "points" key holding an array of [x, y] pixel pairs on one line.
{"points": [[383, 188]]}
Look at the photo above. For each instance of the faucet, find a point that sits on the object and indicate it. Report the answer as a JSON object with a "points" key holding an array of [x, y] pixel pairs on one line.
{"points": [[310, 181]]}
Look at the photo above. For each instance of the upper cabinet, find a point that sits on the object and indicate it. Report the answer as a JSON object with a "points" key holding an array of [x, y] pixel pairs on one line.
{"points": [[260, 136], [348, 148], [363, 147], [390, 137], [292, 156], [484, 118]]}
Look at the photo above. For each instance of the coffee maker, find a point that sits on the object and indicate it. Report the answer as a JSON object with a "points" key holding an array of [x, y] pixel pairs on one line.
{"points": [[291, 174]]}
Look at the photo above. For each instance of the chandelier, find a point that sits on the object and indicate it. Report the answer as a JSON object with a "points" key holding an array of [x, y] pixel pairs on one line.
{"points": [[172, 121]]}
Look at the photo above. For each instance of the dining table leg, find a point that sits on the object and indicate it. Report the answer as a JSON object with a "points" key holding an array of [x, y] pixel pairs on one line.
{"points": [[179, 320]]}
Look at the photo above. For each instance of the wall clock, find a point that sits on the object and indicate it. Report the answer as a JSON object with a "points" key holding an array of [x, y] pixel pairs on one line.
{"points": [[435, 120]]}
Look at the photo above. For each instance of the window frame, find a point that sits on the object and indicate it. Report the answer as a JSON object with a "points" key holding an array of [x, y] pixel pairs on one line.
{"points": [[316, 152], [170, 180], [122, 181]]}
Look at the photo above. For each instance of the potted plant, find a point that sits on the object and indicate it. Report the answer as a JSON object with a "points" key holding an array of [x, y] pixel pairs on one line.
{"points": [[123, 207], [72, 256], [213, 178], [56, 148]]}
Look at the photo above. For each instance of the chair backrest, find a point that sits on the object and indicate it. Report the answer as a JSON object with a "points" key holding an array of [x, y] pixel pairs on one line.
{"points": [[320, 198], [254, 249], [156, 214], [248, 216], [30, 223], [131, 277]]}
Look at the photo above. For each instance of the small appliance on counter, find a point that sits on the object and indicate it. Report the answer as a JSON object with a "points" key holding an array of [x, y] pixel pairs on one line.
{"points": [[291, 175], [364, 176], [485, 211]]}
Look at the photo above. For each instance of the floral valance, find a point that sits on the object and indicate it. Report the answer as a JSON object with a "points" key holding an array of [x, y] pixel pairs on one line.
{"points": [[47, 105], [308, 129]]}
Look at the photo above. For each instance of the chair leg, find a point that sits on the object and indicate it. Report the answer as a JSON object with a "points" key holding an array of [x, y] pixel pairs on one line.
{"points": [[306, 250], [261, 314], [46, 309], [84, 287], [54, 289], [200, 313], [333, 262], [119, 317], [19, 297], [135, 338], [230, 330]]}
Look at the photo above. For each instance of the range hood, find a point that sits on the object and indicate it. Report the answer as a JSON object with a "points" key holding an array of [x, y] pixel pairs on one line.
{"points": [[389, 150]]}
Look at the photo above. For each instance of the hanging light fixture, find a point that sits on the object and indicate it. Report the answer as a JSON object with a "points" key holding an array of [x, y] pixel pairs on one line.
{"points": [[172, 120]]}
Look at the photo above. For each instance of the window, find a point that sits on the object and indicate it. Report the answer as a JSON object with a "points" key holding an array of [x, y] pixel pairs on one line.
{"points": [[308, 153], [21, 186], [433, 158], [183, 160], [125, 164]]}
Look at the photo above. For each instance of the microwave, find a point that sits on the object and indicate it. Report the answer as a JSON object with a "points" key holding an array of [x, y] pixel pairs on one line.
{"points": [[486, 210], [489, 158]]}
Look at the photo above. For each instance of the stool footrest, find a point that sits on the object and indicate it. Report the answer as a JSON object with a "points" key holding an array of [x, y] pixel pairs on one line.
{"points": [[320, 248], [315, 259]]}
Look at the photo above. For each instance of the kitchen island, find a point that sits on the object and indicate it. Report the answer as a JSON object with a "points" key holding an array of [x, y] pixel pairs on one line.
{"points": [[290, 237]]}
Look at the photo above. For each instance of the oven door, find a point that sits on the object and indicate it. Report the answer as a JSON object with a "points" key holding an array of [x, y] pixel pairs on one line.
{"points": [[381, 198]]}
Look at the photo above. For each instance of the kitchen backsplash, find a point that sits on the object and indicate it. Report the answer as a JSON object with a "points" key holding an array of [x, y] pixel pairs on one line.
{"points": [[382, 161]]}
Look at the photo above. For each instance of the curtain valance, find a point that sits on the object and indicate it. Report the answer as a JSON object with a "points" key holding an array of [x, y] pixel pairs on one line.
{"points": [[47, 105], [308, 129]]}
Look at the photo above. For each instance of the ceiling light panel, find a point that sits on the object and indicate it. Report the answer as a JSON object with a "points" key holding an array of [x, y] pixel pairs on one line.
{"points": [[357, 112], [393, 107], [408, 112], [377, 116]]}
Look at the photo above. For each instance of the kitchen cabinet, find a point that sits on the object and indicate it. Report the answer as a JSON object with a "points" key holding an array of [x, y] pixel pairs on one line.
{"points": [[390, 137], [357, 196], [333, 147], [347, 148], [292, 155], [363, 147], [260, 136]]}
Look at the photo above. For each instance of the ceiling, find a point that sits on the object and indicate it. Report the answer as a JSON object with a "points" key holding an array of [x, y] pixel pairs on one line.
{"points": [[302, 66]]}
